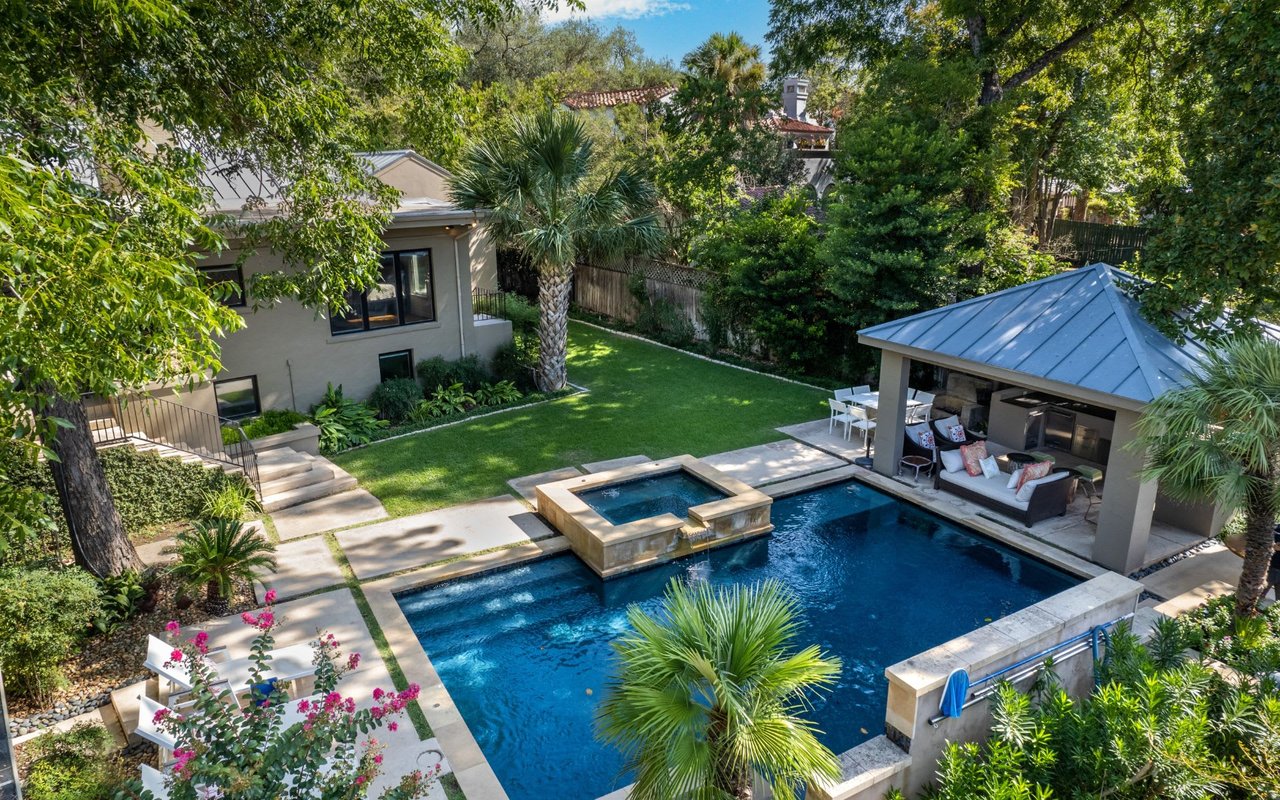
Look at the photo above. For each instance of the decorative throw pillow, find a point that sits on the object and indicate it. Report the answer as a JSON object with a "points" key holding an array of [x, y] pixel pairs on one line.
{"points": [[990, 469], [1033, 472], [972, 454], [926, 439], [1024, 494], [952, 461], [1014, 479], [956, 433]]}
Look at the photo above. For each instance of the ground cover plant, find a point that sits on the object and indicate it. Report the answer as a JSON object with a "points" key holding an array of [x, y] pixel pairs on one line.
{"points": [[78, 764], [641, 399], [1248, 644], [271, 421]]}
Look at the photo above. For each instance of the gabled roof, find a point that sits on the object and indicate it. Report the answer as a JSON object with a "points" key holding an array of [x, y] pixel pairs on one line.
{"points": [[1078, 328], [579, 101]]}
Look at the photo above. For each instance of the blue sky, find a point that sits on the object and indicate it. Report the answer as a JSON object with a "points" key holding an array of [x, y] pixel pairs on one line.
{"points": [[671, 28]]}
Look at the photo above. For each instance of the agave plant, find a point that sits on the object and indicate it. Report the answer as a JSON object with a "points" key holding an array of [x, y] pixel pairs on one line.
{"points": [[217, 553], [711, 691]]}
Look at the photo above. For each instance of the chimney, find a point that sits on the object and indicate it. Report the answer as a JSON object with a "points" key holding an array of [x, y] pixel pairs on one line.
{"points": [[795, 96]]}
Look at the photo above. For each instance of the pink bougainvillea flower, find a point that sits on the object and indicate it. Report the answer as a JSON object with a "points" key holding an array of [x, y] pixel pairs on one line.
{"points": [[361, 779], [175, 656], [172, 627], [393, 726], [201, 642], [248, 619], [377, 759], [353, 661], [378, 693], [182, 758], [269, 597], [160, 715], [266, 619]]}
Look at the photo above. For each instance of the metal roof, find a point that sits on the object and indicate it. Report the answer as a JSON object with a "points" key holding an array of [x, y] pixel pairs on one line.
{"points": [[1079, 328]]}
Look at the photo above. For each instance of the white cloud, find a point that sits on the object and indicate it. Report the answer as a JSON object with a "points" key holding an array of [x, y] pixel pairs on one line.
{"points": [[619, 9]]}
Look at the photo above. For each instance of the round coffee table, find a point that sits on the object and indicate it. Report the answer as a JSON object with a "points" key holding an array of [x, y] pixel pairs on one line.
{"points": [[1020, 459], [918, 464]]}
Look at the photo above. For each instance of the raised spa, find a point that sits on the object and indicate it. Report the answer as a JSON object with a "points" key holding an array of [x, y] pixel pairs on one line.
{"points": [[640, 515], [525, 652]]}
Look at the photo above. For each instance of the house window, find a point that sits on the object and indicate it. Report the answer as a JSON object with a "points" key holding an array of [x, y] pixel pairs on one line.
{"points": [[404, 295], [237, 397], [232, 276], [395, 365]]}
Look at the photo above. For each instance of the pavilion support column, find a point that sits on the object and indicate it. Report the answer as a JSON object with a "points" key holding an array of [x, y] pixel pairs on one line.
{"points": [[895, 369], [1124, 519]]}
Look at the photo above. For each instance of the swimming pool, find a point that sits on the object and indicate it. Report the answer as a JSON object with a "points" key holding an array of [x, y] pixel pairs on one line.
{"points": [[672, 493], [525, 654]]}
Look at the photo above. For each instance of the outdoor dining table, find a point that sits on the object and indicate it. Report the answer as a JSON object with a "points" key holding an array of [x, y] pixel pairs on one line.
{"points": [[871, 401]]}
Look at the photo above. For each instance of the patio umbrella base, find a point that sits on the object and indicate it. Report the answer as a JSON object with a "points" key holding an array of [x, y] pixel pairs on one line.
{"points": [[866, 462]]}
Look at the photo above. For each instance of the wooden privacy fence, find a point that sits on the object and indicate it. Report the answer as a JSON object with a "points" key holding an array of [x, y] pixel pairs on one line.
{"points": [[608, 290], [1094, 241]]}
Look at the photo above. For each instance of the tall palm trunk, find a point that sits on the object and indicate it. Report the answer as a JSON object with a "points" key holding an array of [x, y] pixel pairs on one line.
{"points": [[98, 538], [554, 282], [1259, 543]]}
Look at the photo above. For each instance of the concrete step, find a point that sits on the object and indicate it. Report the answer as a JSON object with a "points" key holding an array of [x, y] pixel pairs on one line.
{"points": [[318, 473], [274, 469], [340, 482]]}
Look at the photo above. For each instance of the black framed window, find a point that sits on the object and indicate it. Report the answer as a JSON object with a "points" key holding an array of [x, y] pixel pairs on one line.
{"points": [[395, 365], [404, 295], [237, 397], [230, 274]]}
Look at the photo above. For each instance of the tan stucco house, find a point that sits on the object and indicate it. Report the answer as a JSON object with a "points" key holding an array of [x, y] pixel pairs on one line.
{"points": [[436, 256]]}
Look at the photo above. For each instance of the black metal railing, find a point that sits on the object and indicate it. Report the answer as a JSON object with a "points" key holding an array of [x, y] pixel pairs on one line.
{"points": [[152, 421], [489, 305]]}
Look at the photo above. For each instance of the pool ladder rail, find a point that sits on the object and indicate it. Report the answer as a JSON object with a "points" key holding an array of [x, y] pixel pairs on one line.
{"points": [[1087, 642]]}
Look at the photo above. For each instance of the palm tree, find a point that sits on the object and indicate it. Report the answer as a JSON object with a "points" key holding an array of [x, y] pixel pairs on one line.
{"points": [[217, 553], [709, 693], [535, 177], [1218, 439], [728, 60]]}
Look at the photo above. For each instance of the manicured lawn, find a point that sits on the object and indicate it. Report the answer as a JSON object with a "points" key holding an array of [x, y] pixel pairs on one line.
{"points": [[642, 399]]}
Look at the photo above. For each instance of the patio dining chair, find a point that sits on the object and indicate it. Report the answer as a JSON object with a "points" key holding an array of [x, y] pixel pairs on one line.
{"points": [[840, 413], [862, 422], [863, 389], [844, 395]]}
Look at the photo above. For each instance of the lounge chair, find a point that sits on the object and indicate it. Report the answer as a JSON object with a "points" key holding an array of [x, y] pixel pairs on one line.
{"points": [[153, 782], [148, 729], [285, 664]]}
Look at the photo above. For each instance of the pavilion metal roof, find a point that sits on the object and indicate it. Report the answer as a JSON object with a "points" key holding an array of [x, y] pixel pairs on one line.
{"points": [[1079, 328]]}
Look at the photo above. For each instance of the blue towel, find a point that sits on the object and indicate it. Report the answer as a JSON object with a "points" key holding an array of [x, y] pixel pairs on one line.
{"points": [[261, 692], [953, 696]]}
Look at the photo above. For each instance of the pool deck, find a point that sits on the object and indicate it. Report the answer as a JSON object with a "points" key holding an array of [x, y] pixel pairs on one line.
{"points": [[1070, 533], [392, 556]]}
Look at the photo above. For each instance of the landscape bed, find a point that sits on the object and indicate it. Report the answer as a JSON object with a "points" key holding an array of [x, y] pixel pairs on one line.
{"points": [[525, 651]]}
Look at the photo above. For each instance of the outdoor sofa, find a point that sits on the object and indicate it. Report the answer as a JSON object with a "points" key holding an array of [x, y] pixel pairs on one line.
{"points": [[1048, 497]]}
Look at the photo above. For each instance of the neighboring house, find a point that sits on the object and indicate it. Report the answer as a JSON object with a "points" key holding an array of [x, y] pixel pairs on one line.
{"points": [[811, 141], [435, 258], [647, 97]]}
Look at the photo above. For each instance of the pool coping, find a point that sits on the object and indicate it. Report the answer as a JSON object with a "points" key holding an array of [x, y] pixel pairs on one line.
{"points": [[472, 770]]}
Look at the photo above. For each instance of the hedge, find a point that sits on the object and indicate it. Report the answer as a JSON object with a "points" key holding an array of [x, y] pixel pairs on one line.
{"points": [[148, 489]]}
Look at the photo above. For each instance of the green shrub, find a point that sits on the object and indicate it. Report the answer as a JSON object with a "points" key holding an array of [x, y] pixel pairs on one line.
{"points": [[469, 371], [665, 322], [496, 394], [148, 489], [343, 423], [396, 399], [230, 501], [444, 401], [514, 364], [77, 764], [273, 421], [44, 613], [125, 595]]}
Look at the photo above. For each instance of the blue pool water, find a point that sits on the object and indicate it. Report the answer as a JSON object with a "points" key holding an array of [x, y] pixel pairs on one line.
{"points": [[672, 493], [879, 581]]}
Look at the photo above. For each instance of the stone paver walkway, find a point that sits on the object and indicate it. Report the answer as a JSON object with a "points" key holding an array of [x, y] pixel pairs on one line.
{"points": [[337, 613], [615, 463], [304, 565], [773, 462], [524, 486], [815, 434], [423, 539], [340, 510], [1213, 565]]}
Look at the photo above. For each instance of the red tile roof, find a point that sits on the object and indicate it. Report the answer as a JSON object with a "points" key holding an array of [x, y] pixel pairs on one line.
{"points": [[617, 97], [789, 125]]}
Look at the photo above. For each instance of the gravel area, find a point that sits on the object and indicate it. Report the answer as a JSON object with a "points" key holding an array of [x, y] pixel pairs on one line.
{"points": [[109, 661], [1173, 559]]}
